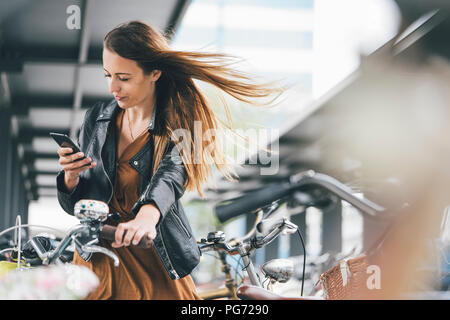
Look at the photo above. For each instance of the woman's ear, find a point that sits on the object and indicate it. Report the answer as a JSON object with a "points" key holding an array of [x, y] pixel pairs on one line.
{"points": [[155, 75]]}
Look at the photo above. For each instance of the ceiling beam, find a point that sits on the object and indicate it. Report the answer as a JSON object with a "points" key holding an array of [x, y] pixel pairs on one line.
{"points": [[32, 156], [37, 53], [46, 186], [26, 134], [5, 92], [46, 54], [11, 65], [33, 174], [22, 104], [176, 17]]}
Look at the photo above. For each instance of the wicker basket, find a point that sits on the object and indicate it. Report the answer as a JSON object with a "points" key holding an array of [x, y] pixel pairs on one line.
{"points": [[347, 280]]}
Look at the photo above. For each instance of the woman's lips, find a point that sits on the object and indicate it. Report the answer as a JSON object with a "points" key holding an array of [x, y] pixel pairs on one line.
{"points": [[120, 98]]}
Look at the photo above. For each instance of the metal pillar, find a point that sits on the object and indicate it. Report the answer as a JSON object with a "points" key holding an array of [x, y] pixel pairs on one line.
{"points": [[16, 182], [5, 167], [23, 200], [332, 227], [13, 196], [271, 250], [295, 246]]}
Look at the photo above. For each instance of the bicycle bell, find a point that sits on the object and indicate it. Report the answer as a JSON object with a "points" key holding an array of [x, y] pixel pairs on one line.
{"points": [[278, 269], [216, 236], [91, 210]]}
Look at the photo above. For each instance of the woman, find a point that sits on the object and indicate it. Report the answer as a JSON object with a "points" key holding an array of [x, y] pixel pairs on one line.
{"points": [[140, 160]]}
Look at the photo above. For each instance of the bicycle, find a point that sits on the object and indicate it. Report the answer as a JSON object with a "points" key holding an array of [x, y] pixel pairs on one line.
{"points": [[85, 236], [303, 189], [348, 278], [277, 269]]}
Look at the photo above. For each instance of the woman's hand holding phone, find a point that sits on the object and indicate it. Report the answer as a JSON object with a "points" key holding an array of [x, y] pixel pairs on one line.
{"points": [[73, 165]]}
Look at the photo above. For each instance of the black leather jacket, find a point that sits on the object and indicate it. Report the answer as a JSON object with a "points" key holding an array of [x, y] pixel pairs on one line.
{"points": [[175, 242]]}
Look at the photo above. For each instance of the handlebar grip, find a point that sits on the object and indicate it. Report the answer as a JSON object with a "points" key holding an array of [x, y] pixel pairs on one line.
{"points": [[109, 233], [249, 202]]}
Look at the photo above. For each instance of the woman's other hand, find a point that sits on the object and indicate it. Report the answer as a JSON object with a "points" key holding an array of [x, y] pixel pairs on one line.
{"points": [[73, 168], [144, 225]]}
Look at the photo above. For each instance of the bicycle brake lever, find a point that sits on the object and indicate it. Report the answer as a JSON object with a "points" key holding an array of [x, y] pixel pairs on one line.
{"points": [[115, 216], [271, 229], [98, 249], [267, 226]]}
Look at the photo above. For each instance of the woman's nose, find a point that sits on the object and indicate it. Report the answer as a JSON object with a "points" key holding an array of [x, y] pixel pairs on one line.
{"points": [[114, 86]]}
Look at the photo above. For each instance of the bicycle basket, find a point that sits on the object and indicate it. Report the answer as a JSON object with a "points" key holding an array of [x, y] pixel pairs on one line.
{"points": [[347, 280]]}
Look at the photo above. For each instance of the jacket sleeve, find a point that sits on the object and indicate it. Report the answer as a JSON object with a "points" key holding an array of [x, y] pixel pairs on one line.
{"points": [[67, 200], [167, 184]]}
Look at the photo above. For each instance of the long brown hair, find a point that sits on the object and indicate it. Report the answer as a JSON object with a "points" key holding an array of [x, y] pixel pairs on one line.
{"points": [[179, 101]]}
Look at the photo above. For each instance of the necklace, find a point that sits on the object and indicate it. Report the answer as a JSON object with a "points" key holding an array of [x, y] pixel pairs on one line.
{"points": [[129, 126]]}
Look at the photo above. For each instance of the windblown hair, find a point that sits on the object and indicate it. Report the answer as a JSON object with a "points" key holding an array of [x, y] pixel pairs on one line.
{"points": [[179, 101]]}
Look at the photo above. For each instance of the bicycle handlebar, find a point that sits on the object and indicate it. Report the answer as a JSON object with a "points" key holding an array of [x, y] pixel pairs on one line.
{"points": [[270, 229], [342, 191], [251, 201], [260, 198], [266, 226], [108, 233]]}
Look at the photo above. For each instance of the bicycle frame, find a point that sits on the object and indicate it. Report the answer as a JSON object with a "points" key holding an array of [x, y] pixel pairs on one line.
{"points": [[230, 290], [88, 227], [244, 247]]}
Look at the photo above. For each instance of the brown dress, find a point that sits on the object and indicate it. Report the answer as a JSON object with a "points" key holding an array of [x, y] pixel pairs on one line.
{"points": [[141, 274]]}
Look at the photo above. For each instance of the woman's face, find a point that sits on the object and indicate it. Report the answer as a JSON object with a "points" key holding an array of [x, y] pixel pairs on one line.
{"points": [[127, 81]]}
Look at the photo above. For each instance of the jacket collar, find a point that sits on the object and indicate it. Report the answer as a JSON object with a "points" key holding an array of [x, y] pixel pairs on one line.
{"points": [[111, 110]]}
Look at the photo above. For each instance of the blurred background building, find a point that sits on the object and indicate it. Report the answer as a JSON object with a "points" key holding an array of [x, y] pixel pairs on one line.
{"points": [[310, 45]]}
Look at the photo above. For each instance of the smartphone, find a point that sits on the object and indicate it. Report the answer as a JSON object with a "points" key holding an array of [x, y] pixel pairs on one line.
{"points": [[63, 140]]}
